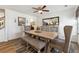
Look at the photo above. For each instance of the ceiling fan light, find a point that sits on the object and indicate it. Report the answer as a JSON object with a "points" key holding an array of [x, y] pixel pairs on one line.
{"points": [[40, 11]]}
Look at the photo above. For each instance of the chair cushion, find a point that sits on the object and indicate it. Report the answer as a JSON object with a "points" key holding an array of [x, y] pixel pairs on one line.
{"points": [[57, 43], [38, 44]]}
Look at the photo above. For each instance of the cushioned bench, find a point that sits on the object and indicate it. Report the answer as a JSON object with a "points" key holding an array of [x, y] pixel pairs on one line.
{"points": [[38, 44]]}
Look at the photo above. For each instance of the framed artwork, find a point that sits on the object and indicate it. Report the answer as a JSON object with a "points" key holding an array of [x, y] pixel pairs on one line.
{"points": [[2, 23], [21, 21], [51, 21], [2, 18]]}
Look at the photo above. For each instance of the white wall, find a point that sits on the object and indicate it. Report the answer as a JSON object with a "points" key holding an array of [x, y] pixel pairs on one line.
{"points": [[11, 25], [78, 29], [66, 17]]}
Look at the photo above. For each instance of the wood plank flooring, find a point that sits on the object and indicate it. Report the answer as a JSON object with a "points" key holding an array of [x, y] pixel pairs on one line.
{"points": [[16, 46], [11, 46]]}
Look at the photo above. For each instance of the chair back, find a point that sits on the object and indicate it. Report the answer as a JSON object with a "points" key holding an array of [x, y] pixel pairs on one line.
{"points": [[67, 33], [27, 28], [44, 28]]}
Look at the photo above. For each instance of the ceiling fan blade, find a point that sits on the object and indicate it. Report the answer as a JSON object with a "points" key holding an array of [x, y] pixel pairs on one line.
{"points": [[46, 10], [43, 7], [35, 11], [35, 8]]}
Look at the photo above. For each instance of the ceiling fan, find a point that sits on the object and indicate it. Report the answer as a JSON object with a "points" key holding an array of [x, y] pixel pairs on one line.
{"points": [[40, 9]]}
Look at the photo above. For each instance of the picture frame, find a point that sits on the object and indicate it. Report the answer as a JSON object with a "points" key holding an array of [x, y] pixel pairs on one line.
{"points": [[2, 18], [2, 22], [51, 21], [21, 21]]}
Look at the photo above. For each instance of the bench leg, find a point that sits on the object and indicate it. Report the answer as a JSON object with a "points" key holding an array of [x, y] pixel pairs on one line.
{"points": [[27, 47]]}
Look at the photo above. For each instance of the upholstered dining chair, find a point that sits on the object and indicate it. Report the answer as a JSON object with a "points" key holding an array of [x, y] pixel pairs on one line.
{"points": [[53, 29], [44, 28], [62, 45], [27, 28]]}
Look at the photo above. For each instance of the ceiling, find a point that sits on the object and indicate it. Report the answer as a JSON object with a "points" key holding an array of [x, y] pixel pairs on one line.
{"points": [[28, 8]]}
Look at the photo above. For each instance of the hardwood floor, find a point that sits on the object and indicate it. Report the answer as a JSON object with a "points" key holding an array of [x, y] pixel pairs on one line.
{"points": [[16, 46], [74, 48], [12, 46]]}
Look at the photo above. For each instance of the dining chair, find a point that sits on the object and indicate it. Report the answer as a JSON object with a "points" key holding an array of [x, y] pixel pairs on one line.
{"points": [[53, 29], [44, 28], [62, 45], [27, 28]]}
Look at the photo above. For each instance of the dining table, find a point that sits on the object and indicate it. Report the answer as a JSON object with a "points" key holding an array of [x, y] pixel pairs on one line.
{"points": [[47, 36]]}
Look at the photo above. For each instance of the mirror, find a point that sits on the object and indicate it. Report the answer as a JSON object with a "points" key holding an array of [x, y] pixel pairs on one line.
{"points": [[51, 21]]}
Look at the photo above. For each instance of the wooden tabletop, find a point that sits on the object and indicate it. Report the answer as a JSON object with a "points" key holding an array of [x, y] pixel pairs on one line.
{"points": [[43, 34]]}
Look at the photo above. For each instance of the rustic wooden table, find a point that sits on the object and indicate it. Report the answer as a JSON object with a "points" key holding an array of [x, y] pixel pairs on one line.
{"points": [[47, 36]]}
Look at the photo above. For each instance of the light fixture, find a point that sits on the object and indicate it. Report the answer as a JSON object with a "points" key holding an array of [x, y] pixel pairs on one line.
{"points": [[40, 11]]}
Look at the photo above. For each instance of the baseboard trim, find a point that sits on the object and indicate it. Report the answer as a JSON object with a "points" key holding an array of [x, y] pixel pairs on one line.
{"points": [[9, 40]]}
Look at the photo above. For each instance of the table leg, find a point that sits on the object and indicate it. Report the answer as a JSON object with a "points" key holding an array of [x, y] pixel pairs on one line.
{"points": [[48, 47], [48, 50]]}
